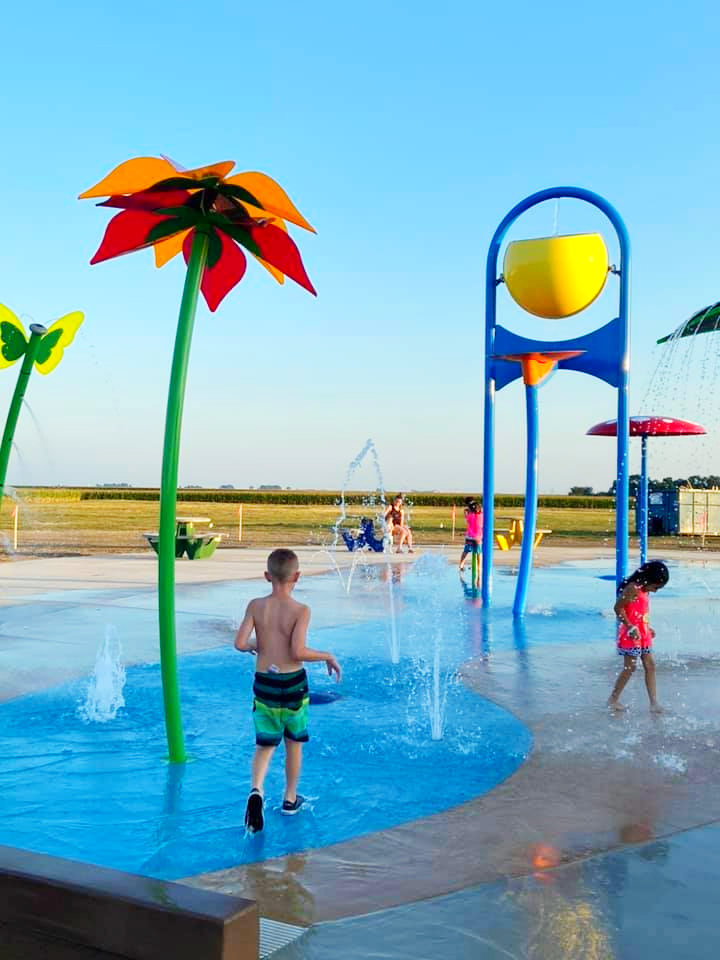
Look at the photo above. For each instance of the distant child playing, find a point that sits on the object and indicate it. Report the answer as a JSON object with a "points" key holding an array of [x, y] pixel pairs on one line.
{"points": [[473, 529], [635, 636], [280, 690]]}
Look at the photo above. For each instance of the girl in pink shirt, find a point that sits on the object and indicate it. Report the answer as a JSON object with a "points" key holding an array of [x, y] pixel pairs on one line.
{"points": [[473, 529]]}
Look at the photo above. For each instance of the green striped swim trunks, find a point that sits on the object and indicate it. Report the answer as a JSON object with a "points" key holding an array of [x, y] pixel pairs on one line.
{"points": [[280, 707]]}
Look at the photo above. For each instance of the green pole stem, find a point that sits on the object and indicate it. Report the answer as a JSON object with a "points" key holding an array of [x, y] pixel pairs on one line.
{"points": [[37, 332], [168, 498]]}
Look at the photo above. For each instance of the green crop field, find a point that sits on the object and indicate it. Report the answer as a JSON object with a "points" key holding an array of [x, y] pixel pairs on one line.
{"points": [[58, 521]]}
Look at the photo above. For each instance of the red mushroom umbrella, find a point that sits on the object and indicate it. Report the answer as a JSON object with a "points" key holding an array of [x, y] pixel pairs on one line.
{"points": [[649, 427], [645, 427]]}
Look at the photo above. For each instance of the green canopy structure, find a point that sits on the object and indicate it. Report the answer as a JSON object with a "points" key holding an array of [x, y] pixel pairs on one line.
{"points": [[706, 320]]}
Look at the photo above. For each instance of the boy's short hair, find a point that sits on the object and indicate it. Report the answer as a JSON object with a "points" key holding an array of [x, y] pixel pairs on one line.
{"points": [[282, 564]]}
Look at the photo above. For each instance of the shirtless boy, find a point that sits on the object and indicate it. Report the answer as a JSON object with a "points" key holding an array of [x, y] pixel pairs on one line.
{"points": [[280, 690]]}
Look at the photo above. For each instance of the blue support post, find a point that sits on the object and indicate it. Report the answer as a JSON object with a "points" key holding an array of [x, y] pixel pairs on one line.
{"points": [[642, 506], [530, 521], [488, 503], [488, 499], [622, 487]]}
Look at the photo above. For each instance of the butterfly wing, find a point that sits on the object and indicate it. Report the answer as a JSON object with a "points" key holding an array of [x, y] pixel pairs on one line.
{"points": [[13, 341], [60, 335]]}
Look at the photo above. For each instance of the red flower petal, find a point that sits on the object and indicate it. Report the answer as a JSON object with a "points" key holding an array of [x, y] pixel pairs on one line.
{"points": [[149, 200], [279, 251], [229, 270], [127, 231]]}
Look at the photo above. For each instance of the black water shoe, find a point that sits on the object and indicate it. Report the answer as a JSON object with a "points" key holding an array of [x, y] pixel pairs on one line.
{"points": [[290, 809], [254, 812]]}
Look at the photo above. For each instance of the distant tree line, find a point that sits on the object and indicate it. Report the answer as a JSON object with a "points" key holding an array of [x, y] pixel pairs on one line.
{"points": [[667, 483], [329, 497]]}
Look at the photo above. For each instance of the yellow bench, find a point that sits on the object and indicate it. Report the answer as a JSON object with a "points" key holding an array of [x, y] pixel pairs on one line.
{"points": [[504, 540], [539, 534], [512, 537]]}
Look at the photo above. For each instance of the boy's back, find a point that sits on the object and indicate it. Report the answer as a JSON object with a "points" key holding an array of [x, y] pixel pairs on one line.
{"points": [[276, 618]]}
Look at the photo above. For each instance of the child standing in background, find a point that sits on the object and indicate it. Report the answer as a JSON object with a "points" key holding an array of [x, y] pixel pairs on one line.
{"points": [[473, 529]]}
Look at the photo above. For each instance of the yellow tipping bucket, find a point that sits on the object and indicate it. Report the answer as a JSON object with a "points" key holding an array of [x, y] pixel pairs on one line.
{"points": [[555, 277]]}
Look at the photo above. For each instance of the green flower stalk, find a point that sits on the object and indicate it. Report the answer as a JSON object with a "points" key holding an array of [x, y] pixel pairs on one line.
{"points": [[214, 219]]}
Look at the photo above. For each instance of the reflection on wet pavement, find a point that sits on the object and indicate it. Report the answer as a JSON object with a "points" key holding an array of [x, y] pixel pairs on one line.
{"points": [[657, 900]]}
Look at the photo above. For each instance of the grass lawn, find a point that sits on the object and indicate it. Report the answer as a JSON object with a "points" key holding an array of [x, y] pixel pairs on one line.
{"points": [[59, 524]]}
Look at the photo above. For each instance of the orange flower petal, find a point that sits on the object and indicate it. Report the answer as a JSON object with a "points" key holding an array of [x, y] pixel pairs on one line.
{"points": [[221, 169], [132, 176], [259, 214], [165, 250], [140, 173], [272, 196], [278, 274]]}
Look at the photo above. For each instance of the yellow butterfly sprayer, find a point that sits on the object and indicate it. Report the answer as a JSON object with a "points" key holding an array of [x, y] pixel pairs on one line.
{"points": [[44, 348]]}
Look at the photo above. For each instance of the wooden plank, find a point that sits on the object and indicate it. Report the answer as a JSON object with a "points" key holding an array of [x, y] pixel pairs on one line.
{"points": [[135, 917]]}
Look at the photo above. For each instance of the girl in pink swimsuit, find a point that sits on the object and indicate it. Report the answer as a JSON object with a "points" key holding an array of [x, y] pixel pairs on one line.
{"points": [[635, 636]]}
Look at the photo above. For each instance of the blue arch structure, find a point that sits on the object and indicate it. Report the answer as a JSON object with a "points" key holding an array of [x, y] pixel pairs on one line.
{"points": [[605, 355]]}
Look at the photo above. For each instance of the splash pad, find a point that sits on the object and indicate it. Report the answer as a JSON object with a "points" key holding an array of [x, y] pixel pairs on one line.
{"points": [[550, 670], [409, 735]]}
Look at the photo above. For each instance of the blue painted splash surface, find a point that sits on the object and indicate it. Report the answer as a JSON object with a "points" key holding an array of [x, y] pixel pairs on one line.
{"points": [[101, 792]]}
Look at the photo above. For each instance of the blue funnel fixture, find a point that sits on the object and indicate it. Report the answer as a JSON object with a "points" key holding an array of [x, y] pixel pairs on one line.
{"points": [[553, 277]]}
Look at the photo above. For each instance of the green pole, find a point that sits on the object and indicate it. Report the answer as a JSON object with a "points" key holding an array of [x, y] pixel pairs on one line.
{"points": [[168, 498], [37, 332]]}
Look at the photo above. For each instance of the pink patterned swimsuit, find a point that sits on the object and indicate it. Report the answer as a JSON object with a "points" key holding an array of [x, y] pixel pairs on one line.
{"points": [[637, 612]]}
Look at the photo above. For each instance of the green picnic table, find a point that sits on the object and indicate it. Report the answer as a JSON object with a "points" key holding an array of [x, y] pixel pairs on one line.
{"points": [[196, 544]]}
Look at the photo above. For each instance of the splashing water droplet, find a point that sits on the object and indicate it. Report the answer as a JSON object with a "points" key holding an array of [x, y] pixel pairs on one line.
{"points": [[105, 689]]}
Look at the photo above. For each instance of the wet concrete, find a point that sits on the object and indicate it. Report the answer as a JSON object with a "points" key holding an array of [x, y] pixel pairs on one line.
{"points": [[657, 899], [29, 577], [594, 782], [35, 577]]}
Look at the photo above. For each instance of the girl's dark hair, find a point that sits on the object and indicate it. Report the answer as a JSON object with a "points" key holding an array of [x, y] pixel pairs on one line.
{"points": [[472, 506], [653, 572]]}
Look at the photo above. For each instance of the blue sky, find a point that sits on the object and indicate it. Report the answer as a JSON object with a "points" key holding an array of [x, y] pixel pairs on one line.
{"points": [[404, 132]]}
